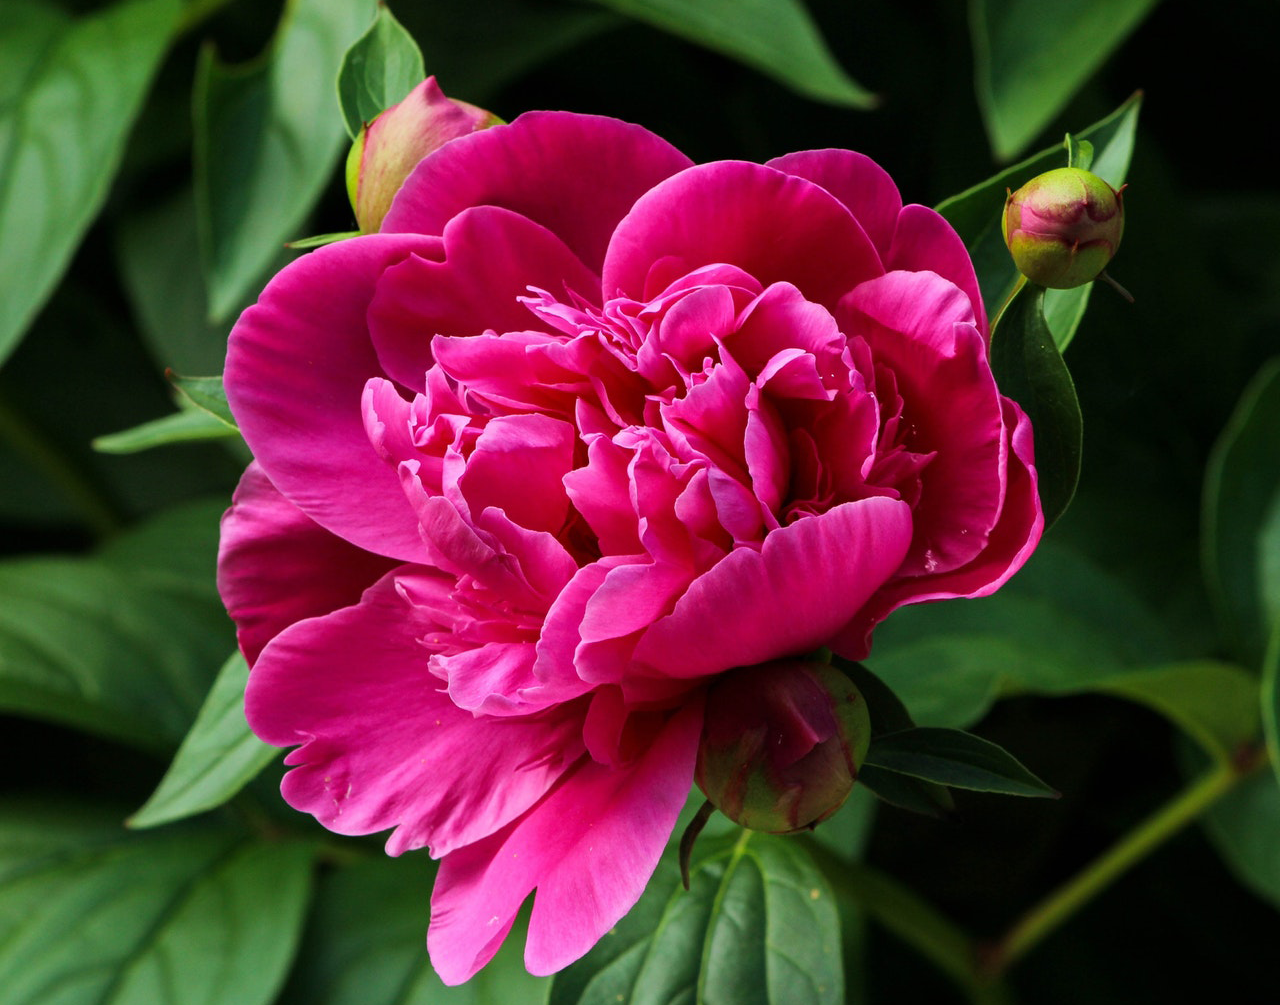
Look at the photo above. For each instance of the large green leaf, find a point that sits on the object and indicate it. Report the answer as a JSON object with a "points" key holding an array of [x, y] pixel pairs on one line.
{"points": [[188, 425], [69, 92], [757, 925], [383, 66], [267, 139], [1028, 367], [123, 643], [92, 914], [977, 212], [1241, 535], [218, 758], [776, 37], [1031, 58], [365, 944]]}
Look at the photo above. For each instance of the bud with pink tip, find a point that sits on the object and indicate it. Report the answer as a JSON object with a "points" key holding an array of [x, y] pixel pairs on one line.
{"points": [[390, 146], [1063, 227]]}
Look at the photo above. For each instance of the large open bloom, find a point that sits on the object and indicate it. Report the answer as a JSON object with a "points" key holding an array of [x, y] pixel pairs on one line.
{"points": [[584, 427]]}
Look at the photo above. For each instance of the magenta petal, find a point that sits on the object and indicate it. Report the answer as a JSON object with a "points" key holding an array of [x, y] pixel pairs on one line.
{"points": [[921, 327], [924, 241], [442, 777], [729, 212], [297, 364], [1009, 546], [589, 848], [858, 182], [518, 466], [577, 175], [806, 582], [276, 565], [491, 258]]}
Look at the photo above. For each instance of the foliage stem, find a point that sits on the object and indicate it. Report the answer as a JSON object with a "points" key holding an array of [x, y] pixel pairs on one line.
{"points": [[1063, 902], [28, 442]]}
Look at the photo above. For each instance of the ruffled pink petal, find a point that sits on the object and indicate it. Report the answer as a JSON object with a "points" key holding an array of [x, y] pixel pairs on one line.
{"points": [[1010, 545], [805, 583], [589, 848], [858, 182], [518, 467], [729, 212], [297, 363], [577, 175], [277, 566], [442, 777], [924, 241], [920, 326], [491, 258]]}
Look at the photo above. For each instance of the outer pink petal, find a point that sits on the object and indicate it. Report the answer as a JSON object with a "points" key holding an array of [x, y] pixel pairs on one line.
{"points": [[775, 226], [577, 175], [297, 364], [1008, 548], [924, 241], [589, 848], [921, 327], [858, 182], [276, 565], [491, 258], [807, 581], [382, 744]]}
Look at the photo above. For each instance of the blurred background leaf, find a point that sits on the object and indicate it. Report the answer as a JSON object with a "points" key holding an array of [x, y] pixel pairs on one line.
{"points": [[1031, 58], [69, 91]]}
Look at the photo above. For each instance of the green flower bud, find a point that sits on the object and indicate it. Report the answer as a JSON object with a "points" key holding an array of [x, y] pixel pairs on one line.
{"points": [[781, 744], [391, 146], [1063, 227]]}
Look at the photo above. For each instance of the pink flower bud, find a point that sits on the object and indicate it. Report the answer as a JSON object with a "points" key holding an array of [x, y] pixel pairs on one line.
{"points": [[781, 744], [390, 146], [1063, 227]]}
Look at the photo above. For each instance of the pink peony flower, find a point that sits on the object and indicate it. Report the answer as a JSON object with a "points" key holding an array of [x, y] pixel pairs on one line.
{"points": [[582, 429]]}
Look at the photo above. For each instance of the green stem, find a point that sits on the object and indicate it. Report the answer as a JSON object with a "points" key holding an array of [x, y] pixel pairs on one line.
{"points": [[95, 509], [1062, 903]]}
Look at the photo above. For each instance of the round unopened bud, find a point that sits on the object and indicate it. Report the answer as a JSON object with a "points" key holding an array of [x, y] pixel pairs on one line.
{"points": [[781, 744], [391, 146], [1063, 227]]}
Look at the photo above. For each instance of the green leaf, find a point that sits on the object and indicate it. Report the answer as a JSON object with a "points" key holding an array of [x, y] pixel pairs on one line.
{"points": [[218, 758], [888, 713], [977, 215], [776, 37], [189, 425], [1241, 518], [320, 240], [383, 66], [1243, 826], [1029, 369], [69, 92], [1079, 152], [1031, 58], [267, 140], [1216, 704], [206, 393], [95, 915], [1271, 700], [156, 246], [123, 643], [758, 925], [955, 758], [364, 945]]}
